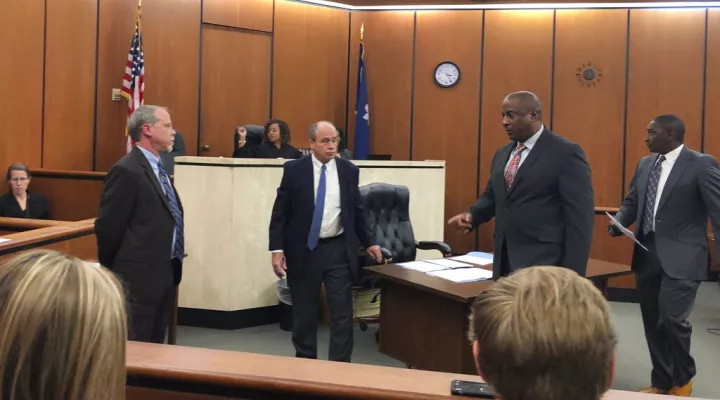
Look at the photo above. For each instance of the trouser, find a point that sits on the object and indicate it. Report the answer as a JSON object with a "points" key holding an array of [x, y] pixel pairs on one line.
{"points": [[329, 265], [665, 304], [148, 322]]}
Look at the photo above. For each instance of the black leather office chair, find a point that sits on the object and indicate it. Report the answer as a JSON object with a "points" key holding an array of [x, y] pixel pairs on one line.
{"points": [[387, 212], [253, 137]]}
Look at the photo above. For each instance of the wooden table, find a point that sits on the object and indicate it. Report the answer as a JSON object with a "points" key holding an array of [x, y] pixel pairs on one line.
{"points": [[424, 319]]}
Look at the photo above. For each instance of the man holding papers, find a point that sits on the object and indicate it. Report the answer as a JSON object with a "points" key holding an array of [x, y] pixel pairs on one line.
{"points": [[539, 193], [672, 194]]}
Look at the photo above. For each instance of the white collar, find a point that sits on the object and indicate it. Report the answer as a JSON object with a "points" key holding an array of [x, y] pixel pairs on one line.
{"points": [[330, 164], [534, 138], [673, 155]]}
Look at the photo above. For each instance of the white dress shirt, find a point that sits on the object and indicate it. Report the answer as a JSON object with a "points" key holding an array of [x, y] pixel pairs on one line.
{"points": [[528, 147], [666, 165], [331, 223]]}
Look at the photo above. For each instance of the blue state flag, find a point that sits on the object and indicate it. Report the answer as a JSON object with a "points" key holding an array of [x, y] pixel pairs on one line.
{"points": [[362, 111]]}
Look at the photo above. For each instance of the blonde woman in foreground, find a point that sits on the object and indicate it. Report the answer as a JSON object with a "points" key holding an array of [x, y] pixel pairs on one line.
{"points": [[63, 329]]}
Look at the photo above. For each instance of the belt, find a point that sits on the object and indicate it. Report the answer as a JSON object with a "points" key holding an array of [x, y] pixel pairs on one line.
{"points": [[330, 239]]}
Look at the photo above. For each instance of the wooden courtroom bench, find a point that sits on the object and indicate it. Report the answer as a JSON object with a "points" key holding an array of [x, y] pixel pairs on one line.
{"points": [[162, 372], [76, 238]]}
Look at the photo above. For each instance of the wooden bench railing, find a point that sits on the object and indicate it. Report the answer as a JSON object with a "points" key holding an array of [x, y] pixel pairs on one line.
{"points": [[162, 372], [72, 237]]}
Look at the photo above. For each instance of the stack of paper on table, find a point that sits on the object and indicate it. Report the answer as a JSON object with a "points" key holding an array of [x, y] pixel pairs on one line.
{"points": [[475, 257], [421, 266], [448, 269], [463, 275]]}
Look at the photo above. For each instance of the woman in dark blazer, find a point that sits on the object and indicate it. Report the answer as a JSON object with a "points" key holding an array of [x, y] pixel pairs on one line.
{"points": [[275, 143], [19, 202]]}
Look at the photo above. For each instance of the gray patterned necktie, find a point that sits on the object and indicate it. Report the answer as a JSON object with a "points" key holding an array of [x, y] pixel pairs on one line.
{"points": [[650, 197]]}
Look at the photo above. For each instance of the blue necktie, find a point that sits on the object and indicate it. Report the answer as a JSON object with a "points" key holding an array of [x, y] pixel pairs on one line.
{"points": [[652, 188], [179, 250], [314, 235]]}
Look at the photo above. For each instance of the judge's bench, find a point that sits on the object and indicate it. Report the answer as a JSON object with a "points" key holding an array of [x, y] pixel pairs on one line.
{"points": [[228, 281]]}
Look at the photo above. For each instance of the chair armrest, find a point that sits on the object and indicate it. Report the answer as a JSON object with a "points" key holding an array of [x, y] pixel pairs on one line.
{"points": [[387, 254], [442, 247]]}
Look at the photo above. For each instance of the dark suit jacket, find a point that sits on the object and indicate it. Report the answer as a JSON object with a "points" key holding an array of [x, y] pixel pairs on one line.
{"points": [[546, 218], [168, 158], [36, 207], [691, 195], [134, 229], [293, 211]]}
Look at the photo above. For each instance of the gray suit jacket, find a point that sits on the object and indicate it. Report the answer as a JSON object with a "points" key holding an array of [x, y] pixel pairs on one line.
{"points": [[691, 195], [546, 218]]}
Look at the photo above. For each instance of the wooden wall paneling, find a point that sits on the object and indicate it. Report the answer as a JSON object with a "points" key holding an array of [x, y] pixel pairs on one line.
{"points": [[389, 65], [235, 85], [70, 197], [592, 112], [517, 56], [22, 30], [70, 85], [247, 14], [310, 55], [667, 48], [116, 26], [171, 44], [711, 143], [446, 121]]}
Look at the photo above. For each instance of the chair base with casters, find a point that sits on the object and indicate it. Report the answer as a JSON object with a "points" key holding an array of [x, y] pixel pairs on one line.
{"points": [[387, 212]]}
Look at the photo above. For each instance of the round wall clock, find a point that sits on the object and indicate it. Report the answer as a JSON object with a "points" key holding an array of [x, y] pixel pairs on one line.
{"points": [[447, 74]]}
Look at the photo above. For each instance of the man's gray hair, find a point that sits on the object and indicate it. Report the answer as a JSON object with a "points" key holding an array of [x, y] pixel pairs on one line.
{"points": [[314, 127], [144, 114]]}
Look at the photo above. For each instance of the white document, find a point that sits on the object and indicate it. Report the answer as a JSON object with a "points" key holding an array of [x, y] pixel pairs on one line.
{"points": [[474, 260], [463, 275], [449, 263], [3, 240], [625, 231], [421, 266]]}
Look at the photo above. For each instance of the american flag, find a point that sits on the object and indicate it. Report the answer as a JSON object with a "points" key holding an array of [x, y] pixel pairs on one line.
{"points": [[133, 84]]}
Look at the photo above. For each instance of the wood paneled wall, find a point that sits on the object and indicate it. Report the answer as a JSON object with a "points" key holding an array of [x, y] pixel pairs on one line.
{"points": [[651, 61], [221, 63], [215, 63]]}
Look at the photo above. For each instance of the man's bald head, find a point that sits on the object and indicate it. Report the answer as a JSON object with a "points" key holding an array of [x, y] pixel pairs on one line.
{"points": [[527, 100], [324, 140], [521, 115]]}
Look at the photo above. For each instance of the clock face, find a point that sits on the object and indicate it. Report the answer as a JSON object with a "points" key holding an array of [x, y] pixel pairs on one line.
{"points": [[447, 74]]}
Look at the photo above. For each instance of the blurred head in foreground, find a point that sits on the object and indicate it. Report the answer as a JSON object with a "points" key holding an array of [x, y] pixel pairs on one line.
{"points": [[63, 329], [544, 333]]}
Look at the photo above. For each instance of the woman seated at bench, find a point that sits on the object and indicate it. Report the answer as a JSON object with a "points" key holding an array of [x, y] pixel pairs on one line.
{"points": [[63, 329], [275, 143], [19, 202]]}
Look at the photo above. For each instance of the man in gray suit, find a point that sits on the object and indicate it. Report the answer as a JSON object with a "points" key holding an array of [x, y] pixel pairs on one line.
{"points": [[672, 194], [539, 192]]}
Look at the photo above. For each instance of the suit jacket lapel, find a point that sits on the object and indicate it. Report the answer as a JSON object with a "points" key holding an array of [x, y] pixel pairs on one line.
{"points": [[677, 170], [533, 156], [642, 187], [140, 157], [308, 177]]}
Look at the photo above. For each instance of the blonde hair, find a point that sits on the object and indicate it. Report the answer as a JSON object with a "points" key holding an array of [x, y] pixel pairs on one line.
{"points": [[63, 329], [544, 333]]}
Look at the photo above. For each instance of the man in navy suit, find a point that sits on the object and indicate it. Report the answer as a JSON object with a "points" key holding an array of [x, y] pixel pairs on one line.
{"points": [[316, 228]]}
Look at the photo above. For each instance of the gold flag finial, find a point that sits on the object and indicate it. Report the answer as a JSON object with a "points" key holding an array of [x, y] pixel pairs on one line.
{"points": [[362, 31]]}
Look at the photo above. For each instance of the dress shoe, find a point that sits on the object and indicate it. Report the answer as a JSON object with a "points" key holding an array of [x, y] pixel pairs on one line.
{"points": [[682, 391], [653, 390]]}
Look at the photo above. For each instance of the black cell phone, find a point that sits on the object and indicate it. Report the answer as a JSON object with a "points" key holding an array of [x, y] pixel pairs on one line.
{"points": [[471, 389]]}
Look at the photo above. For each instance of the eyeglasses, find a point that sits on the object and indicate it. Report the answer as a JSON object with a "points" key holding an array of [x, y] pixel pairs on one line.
{"points": [[19, 179]]}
